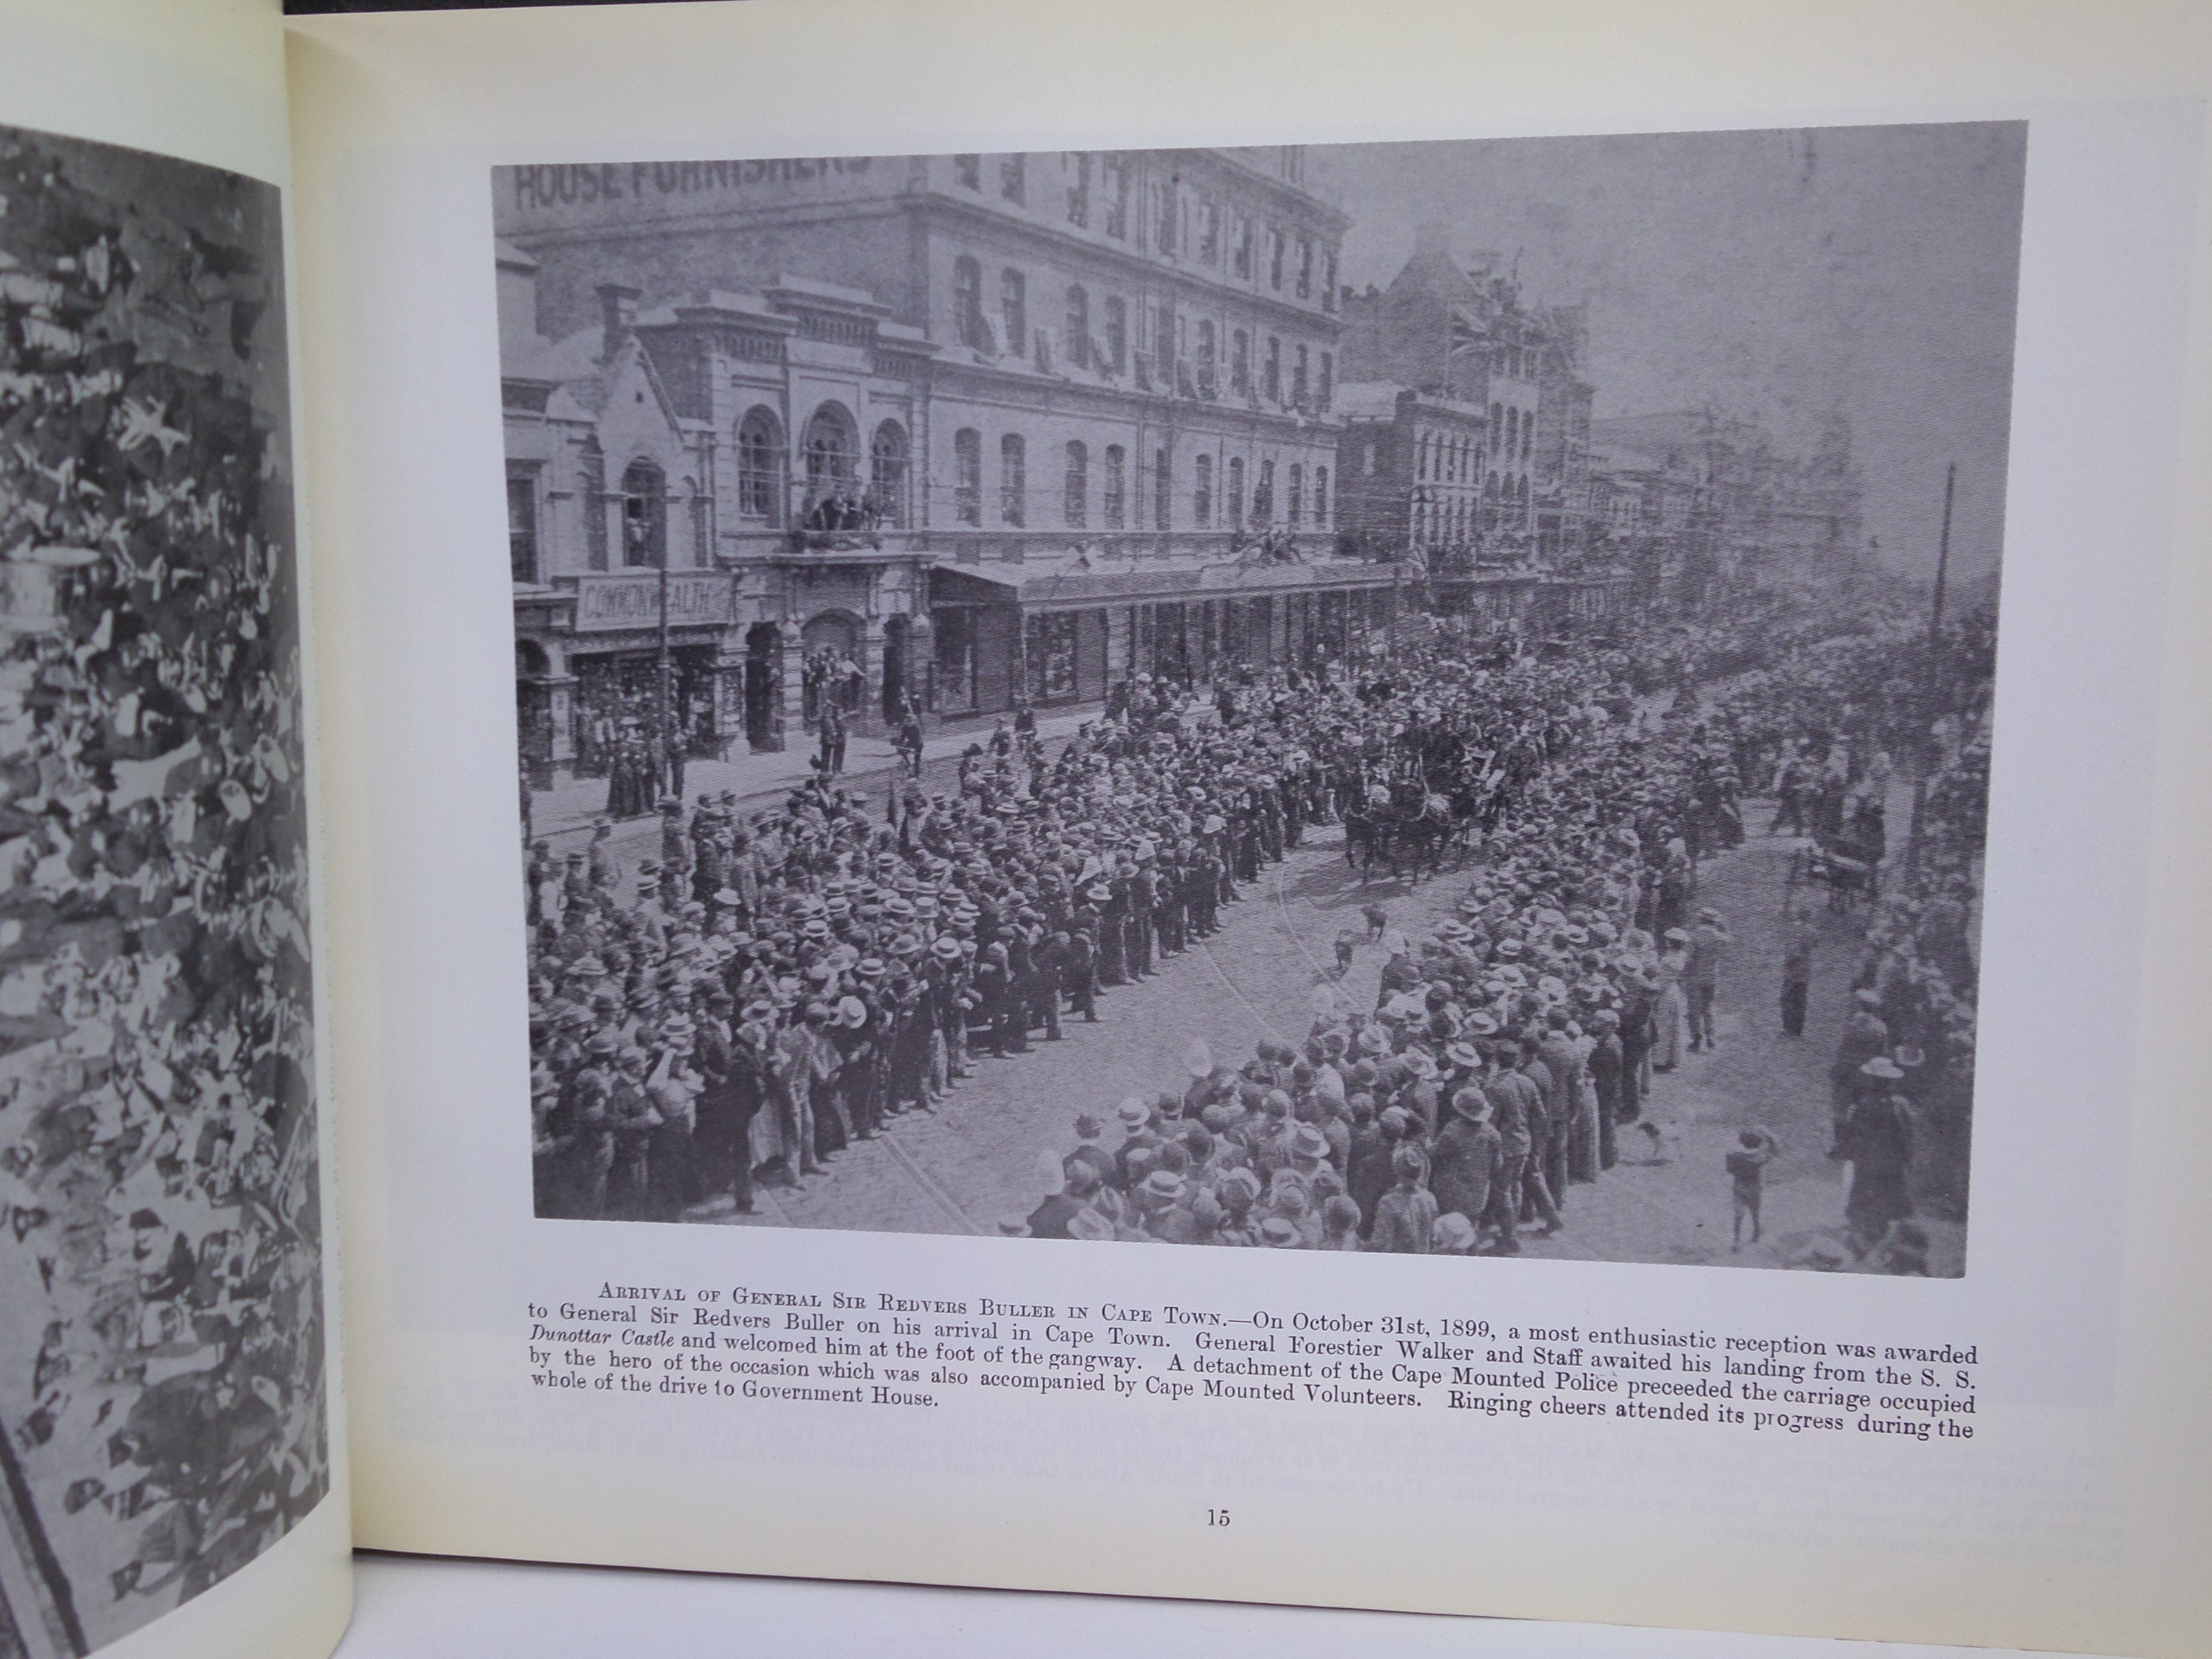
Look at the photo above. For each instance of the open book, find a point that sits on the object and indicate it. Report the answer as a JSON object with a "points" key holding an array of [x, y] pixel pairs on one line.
{"points": [[1369, 642]]}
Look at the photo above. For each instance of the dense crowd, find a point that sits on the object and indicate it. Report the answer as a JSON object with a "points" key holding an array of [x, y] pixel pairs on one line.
{"points": [[785, 984], [162, 1268]]}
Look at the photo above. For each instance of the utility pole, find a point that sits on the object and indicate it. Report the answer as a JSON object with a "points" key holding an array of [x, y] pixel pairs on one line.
{"points": [[1943, 553], [1934, 652]]}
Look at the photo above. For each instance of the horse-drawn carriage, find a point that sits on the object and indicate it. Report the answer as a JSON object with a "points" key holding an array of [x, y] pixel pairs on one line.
{"points": [[1849, 867], [1407, 829]]}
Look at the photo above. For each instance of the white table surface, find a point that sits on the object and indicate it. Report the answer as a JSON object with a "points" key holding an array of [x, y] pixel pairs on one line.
{"points": [[427, 1607]]}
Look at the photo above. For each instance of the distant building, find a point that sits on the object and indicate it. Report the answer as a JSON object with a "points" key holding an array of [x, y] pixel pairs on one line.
{"points": [[1463, 336], [1083, 401], [1701, 505]]}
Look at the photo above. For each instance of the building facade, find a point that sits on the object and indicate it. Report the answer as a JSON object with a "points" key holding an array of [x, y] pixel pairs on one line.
{"points": [[1464, 336], [1412, 466], [984, 367], [633, 444]]}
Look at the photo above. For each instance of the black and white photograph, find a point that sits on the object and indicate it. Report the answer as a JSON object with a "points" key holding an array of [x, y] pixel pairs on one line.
{"points": [[162, 1408], [1416, 698]]}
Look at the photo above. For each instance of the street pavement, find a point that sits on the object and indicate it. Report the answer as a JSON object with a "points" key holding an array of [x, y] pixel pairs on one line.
{"points": [[974, 1163]]}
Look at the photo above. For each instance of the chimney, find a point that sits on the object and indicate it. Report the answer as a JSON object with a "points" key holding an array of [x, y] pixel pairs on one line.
{"points": [[617, 313]]}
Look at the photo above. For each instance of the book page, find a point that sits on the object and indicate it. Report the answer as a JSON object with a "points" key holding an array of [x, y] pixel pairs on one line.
{"points": [[173, 1478], [1512, 716]]}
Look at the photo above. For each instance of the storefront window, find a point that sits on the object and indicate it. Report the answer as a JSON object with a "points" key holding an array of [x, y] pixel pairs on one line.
{"points": [[1052, 655]]}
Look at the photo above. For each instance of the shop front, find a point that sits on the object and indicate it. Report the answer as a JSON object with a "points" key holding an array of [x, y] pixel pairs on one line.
{"points": [[1062, 632], [587, 663]]}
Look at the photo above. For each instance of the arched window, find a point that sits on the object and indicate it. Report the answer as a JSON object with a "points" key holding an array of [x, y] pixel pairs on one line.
{"points": [[967, 303], [1528, 436], [1077, 347], [1512, 430], [1240, 364], [1233, 507], [645, 514], [1117, 336], [1076, 504], [968, 476], [1320, 497], [1201, 494], [1013, 480], [1298, 384], [1163, 491], [1205, 386], [1112, 499], [1421, 456], [1263, 494], [887, 465], [1491, 488], [1327, 396], [831, 449], [1294, 501], [1014, 305]]}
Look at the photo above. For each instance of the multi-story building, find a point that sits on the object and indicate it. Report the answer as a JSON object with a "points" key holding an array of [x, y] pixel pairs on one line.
{"points": [[630, 440], [1090, 391], [1464, 336], [1410, 472]]}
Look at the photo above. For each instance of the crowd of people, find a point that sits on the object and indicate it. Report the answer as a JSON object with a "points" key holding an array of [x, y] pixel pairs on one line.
{"points": [[781, 984]]}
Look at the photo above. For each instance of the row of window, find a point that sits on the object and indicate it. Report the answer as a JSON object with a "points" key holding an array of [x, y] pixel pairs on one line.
{"points": [[1180, 219], [1448, 459], [1443, 522], [642, 501], [1300, 509], [1457, 459], [830, 450], [1187, 354]]}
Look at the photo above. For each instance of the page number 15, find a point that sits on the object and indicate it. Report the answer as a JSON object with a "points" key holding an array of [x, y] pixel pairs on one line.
{"points": [[1217, 1517]]}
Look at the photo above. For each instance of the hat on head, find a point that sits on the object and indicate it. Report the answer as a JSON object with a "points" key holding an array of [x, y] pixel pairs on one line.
{"points": [[1453, 1234]]}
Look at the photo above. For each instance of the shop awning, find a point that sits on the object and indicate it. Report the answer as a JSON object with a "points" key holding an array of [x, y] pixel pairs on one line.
{"points": [[1064, 585]]}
